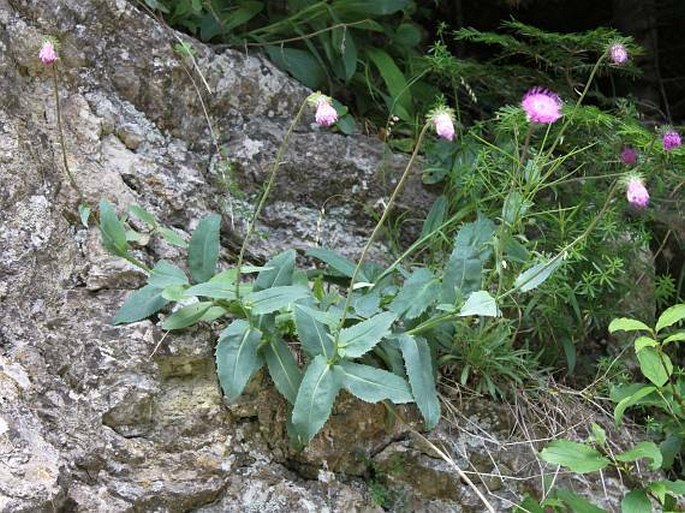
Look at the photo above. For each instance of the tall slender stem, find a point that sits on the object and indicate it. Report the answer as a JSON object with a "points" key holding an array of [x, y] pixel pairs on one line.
{"points": [[58, 109]]}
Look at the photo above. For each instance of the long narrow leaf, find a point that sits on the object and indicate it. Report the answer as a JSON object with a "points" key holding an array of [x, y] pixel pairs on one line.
{"points": [[237, 358]]}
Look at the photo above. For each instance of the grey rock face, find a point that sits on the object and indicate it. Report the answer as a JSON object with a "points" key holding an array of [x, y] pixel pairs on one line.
{"points": [[95, 418]]}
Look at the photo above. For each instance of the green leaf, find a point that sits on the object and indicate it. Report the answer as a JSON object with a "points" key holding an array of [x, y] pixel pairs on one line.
{"points": [[176, 293], [471, 251], [435, 217], [656, 367], [670, 448], [244, 12], [643, 450], [670, 316], [636, 501], [237, 358], [643, 342], [359, 339], [577, 503], [186, 316], [203, 251], [676, 337], [675, 488], [140, 304], [480, 303], [575, 456], [172, 237], [84, 214], [112, 230], [407, 35], [536, 275], [283, 369], [372, 385], [417, 294], [276, 298], [143, 215], [313, 334], [625, 324], [631, 400], [529, 505], [366, 305], [214, 290], [278, 272], [214, 313], [318, 390], [301, 64], [374, 8], [419, 366], [401, 101], [598, 434], [166, 274], [336, 262]]}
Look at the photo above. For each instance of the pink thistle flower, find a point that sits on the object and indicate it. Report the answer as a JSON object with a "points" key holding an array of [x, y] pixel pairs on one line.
{"points": [[541, 105], [629, 156], [444, 126], [618, 53], [636, 193], [48, 54], [671, 140], [326, 114]]}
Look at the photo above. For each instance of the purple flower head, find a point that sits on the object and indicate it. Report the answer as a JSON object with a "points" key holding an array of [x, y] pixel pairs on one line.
{"points": [[48, 54], [636, 192], [629, 156], [326, 114], [618, 53], [443, 123], [541, 105], [671, 140]]}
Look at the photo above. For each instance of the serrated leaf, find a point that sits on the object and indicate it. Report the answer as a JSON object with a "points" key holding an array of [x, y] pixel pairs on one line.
{"points": [[480, 303], [172, 237], [636, 501], [464, 270], [237, 358], [359, 339], [283, 369], [372, 385], [418, 293], [186, 316], [112, 230], [276, 298], [279, 271], [538, 274], [313, 334], [626, 324], [166, 274], [656, 367], [319, 387], [366, 305], [337, 262], [203, 250], [143, 215], [631, 400], [643, 450], [140, 304], [575, 456], [670, 316], [419, 366]]}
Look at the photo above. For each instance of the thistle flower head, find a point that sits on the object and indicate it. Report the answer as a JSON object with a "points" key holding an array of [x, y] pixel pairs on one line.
{"points": [[618, 54], [48, 53], [326, 114], [541, 105], [671, 140], [636, 192], [442, 119], [629, 156]]}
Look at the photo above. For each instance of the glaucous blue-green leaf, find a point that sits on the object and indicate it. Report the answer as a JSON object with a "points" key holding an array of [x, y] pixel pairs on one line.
{"points": [[419, 365], [372, 385], [140, 304], [626, 324], [656, 367], [631, 400], [419, 292], [636, 501], [166, 274], [366, 305], [237, 358], [203, 250], [283, 369], [186, 316], [538, 274], [172, 237], [176, 293], [480, 303], [319, 387], [112, 230], [214, 290], [143, 215], [275, 298], [472, 249], [301, 64], [213, 313], [575, 456], [359, 339], [670, 316], [337, 262], [643, 450], [436, 216], [278, 272], [314, 335]]}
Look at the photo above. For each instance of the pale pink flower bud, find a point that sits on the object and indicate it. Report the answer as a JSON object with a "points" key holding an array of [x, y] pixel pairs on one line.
{"points": [[444, 126], [637, 193], [618, 53], [326, 114], [48, 54], [541, 105], [671, 140]]}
